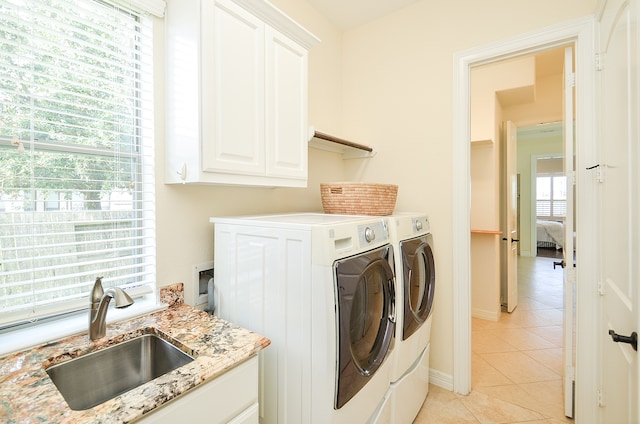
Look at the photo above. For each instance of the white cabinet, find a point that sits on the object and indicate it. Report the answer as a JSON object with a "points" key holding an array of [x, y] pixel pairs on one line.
{"points": [[230, 398], [236, 94]]}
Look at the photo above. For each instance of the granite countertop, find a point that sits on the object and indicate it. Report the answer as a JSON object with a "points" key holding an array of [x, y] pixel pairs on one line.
{"points": [[27, 394]]}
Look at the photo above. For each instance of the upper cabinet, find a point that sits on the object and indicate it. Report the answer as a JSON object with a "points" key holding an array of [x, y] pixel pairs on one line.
{"points": [[236, 94]]}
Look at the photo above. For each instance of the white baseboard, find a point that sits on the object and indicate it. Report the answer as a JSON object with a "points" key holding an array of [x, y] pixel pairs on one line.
{"points": [[484, 314], [440, 379]]}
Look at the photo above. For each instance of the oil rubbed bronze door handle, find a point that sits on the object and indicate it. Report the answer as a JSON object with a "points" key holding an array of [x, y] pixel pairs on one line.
{"points": [[632, 339]]}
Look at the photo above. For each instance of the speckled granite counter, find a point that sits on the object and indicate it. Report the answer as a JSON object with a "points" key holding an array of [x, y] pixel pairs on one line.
{"points": [[27, 394]]}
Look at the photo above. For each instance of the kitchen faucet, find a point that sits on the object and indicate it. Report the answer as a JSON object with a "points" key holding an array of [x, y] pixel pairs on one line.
{"points": [[100, 303]]}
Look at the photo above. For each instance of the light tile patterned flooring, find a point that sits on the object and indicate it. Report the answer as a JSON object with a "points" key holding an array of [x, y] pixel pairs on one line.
{"points": [[516, 362]]}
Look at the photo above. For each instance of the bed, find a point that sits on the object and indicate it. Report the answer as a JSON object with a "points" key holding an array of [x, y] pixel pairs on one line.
{"points": [[550, 234]]}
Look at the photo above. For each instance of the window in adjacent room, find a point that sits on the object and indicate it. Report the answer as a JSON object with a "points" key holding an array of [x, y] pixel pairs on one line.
{"points": [[551, 196], [76, 154]]}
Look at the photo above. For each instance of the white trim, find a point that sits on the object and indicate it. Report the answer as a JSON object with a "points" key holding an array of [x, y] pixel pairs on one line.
{"points": [[580, 31], [440, 379], [280, 21], [485, 314], [153, 7]]}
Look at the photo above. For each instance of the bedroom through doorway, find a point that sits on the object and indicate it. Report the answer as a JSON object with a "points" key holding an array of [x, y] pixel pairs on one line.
{"points": [[550, 203]]}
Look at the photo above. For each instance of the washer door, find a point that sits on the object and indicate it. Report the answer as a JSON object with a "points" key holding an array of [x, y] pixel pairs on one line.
{"points": [[419, 282], [366, 318]]}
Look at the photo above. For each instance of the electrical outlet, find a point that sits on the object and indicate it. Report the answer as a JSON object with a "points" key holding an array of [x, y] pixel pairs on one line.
{"points": [[202, 273]]}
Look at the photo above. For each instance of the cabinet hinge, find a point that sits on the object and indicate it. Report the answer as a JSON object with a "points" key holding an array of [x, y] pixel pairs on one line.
{"points": [[601, 290], [599, 61], [601, 398]]}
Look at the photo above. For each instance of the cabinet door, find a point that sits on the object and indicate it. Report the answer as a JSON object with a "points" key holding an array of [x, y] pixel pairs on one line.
{"points": [[232, 113], [286, 106]]}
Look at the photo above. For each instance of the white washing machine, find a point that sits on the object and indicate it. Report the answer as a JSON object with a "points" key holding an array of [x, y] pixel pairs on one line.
{"points": [[321, 288], [415, 281]]}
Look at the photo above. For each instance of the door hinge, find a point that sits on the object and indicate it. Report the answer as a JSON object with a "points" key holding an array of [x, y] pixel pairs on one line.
{"points": [[572, 178], [571, 80], [600, 174], [601, 398], [570, 372], [599, 61], [601, 290]]}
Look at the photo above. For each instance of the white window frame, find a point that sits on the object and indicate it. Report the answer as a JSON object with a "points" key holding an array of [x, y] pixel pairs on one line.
{"points": [[551, 201]]}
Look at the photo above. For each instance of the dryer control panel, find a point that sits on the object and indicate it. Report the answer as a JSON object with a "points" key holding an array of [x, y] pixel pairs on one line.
{"points": [[421, 225], [373, 232]]}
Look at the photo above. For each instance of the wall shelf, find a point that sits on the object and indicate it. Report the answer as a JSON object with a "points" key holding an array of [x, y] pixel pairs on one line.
{"points": [[348, 149], [479, 143], [487, 232]]}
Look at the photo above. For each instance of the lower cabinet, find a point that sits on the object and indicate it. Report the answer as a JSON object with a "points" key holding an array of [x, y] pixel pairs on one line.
{"points": [[230, 398]]}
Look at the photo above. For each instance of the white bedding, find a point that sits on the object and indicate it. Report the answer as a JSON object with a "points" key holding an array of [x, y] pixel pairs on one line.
{"points": [[550, 231]]}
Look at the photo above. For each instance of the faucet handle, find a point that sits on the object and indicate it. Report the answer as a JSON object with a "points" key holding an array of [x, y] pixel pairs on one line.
{"points": [[97, 292]]}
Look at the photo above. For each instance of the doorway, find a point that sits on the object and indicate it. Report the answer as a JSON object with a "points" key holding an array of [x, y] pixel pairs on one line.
{"points": [[580, 32], [523, 92], [549, 195]]}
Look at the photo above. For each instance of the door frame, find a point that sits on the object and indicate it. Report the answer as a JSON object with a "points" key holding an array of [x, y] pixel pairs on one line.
{"points": [[581, 32]]}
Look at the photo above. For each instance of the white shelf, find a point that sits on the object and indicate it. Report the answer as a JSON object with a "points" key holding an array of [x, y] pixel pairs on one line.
{"points": [[348, 149]]}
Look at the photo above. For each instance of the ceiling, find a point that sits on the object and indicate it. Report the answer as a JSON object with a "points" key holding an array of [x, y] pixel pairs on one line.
{"points": [[348, 14]]}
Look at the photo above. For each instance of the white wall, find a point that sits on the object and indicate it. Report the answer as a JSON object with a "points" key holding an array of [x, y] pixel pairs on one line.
{"points": [[398, 74]]}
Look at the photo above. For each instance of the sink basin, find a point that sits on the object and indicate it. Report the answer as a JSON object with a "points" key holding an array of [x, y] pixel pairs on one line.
{"points": [[94, 378]]}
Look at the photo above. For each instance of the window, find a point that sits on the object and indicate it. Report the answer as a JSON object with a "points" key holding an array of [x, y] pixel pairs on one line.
{"points": [[551, 196], [76, 154]]}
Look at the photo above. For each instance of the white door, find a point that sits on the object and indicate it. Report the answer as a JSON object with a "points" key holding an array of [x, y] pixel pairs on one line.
{"points": [[510, 219], [619, 223], [569, 272]]}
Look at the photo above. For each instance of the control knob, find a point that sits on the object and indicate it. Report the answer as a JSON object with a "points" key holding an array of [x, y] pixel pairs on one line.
{"points": [[369, 235]]}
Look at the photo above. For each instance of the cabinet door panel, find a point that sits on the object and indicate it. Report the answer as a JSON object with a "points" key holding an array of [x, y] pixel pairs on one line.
{"points": [[286, 106], [232, 89]]}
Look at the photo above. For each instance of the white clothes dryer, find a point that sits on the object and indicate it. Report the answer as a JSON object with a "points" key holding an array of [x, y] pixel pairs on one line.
{"points": [[321, 287], [415, 280]]}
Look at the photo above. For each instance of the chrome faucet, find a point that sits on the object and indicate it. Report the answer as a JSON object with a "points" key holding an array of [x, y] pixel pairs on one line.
{"points": [[100, 303]]}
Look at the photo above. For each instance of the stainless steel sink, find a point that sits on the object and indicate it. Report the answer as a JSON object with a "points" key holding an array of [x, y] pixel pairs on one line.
{"points": [[94, 378]]}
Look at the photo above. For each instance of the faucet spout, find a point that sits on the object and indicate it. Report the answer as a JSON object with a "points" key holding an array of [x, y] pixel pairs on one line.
{"points": [[100, 299]]}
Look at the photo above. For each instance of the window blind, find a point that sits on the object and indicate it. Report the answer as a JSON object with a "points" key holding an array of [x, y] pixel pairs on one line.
{"points": [[76, 154]]}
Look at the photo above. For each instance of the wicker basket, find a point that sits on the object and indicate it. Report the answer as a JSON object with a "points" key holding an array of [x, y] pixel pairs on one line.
{"points": [[358, 198]]}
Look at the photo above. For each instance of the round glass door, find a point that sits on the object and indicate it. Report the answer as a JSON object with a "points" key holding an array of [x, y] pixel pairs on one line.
{"points": [[421, 283], [369, 321], [365, 316]]}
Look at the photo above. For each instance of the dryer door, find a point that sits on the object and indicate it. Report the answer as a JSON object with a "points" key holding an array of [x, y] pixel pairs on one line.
{"points": [[366, 317], [419, 282]]}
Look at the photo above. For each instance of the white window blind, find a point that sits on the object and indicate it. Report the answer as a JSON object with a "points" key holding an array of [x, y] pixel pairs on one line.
{"points": [[551, 196], [76, 154]]}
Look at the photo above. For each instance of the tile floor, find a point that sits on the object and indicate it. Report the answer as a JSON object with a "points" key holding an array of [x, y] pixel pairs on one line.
{"points": [[516, 362]]}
